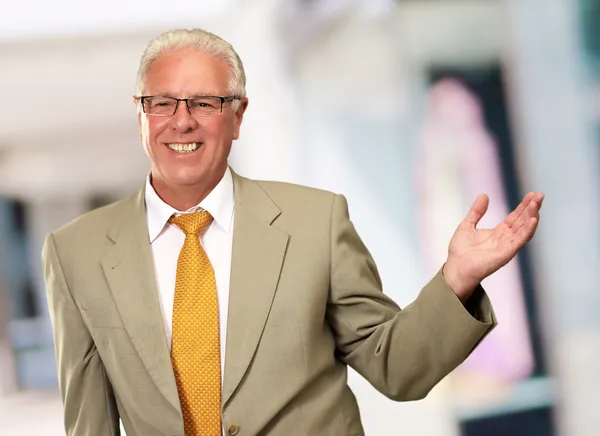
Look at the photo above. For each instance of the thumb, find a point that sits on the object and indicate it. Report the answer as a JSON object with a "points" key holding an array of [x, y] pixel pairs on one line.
{"points": [[477, 210]]}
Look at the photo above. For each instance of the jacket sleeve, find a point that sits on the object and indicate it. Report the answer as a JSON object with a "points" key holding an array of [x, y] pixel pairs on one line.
{"points": [[402, 353], [89, 403]]}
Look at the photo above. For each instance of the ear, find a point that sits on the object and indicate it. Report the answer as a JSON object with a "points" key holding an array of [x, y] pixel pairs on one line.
{"points": [[239, 116], [138, 105]]}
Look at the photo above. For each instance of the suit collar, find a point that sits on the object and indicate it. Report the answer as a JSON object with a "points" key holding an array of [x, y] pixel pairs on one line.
{"points": [[246, 192], [131, 209], [251, 196]]}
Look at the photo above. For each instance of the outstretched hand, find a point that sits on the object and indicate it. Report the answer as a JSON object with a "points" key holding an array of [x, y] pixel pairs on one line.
{"points": [[474, 253]]}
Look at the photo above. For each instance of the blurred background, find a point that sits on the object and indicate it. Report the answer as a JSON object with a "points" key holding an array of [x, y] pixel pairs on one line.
{"points": [[409, 108]]}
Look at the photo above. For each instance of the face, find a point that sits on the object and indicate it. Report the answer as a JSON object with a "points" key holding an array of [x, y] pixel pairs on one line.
{"points": [[182, 74]]}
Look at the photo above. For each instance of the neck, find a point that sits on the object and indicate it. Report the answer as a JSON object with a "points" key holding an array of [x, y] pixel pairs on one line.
{"points": [[180, 197]]}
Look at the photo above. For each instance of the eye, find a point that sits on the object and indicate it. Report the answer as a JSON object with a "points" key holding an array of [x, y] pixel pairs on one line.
{"points": [[206, 103], [159, 102]]}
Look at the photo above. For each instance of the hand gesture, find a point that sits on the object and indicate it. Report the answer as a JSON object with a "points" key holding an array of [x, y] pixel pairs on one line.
{"points": [[474, 253]]}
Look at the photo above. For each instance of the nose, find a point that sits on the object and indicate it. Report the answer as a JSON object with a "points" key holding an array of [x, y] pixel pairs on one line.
{"points": [[182, 120]]}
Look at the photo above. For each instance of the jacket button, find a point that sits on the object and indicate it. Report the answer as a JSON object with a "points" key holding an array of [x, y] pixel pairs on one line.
{"points": [[232, 430]]}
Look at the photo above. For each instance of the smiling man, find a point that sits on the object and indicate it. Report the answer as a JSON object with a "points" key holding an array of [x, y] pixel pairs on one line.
{"points": [[210, 304]]}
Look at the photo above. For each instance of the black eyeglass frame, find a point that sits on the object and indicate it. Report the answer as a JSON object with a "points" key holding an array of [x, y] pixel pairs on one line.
{"points": [[223, 99]]}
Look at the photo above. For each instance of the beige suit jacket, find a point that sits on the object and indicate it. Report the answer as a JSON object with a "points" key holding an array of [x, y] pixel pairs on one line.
{"points": [[305, 302]]}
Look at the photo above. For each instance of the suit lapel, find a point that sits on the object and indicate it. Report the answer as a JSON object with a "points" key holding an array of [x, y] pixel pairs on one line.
{"points": [[128, 267], [257, 257]]}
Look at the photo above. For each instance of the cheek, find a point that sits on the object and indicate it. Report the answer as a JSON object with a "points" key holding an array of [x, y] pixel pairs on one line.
{"points": [[151, 129], [221, 131]]}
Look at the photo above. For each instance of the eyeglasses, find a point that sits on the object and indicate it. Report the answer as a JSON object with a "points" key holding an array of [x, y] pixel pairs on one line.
{"points": [[161, 106]]}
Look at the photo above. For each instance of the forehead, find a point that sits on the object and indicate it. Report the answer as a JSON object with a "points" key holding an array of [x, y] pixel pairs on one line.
{"points": [[187, 72]]}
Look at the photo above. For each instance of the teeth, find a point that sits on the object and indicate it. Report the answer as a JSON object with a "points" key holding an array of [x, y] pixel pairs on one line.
{"points": [[184, 148]]}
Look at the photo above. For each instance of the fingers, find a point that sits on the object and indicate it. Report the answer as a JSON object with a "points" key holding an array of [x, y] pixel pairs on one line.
{"points": [[477, 210], [528, 208], [538, 197], [531, 211], [515, 214], [526, 232]]}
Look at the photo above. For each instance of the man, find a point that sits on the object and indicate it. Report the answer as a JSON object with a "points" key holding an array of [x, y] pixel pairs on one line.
{"points": [[210, 303]]}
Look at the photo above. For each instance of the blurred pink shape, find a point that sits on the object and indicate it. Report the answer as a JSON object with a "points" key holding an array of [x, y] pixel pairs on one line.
{"points": [[457, 159]]}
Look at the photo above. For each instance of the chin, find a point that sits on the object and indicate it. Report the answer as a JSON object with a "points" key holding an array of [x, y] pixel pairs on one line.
{"points": [[188, 179], [178, 176], [189, 175]]}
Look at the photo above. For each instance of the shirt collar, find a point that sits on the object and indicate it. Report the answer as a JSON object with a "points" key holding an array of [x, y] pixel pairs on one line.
{"points": [[219, 203]]}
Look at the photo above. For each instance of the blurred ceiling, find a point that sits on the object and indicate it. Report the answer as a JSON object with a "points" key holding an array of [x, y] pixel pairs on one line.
{"points": [[67, 82]]}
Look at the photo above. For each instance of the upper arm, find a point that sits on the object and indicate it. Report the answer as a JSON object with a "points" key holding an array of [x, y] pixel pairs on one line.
{"points": [[357, 304], [88, 399]]}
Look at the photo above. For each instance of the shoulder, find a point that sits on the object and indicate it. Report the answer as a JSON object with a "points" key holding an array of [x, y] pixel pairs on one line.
{"points": [[290, 195], [96, 223], [294, 201]]}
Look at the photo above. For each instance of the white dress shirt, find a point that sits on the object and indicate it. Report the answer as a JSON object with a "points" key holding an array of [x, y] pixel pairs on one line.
{"points": [[166, 241]]}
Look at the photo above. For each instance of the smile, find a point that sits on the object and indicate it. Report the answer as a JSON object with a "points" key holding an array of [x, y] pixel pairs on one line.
{"points": [[185, 148]]}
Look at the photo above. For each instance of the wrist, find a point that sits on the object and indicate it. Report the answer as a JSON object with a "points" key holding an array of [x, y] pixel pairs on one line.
{"points": [[460, 285]]}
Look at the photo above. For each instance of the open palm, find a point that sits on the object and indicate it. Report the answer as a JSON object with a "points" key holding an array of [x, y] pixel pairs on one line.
{"points": [[475, 253]]}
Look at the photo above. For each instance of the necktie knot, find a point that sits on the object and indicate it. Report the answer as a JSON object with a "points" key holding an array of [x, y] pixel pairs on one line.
{"points": [[192, 223]]}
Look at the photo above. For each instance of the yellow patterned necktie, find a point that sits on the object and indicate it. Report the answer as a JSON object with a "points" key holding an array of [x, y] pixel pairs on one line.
{"points": [[195, 353]]}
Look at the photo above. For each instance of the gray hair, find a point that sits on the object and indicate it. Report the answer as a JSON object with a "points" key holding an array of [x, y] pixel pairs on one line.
{"points": [[202, 40]]}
